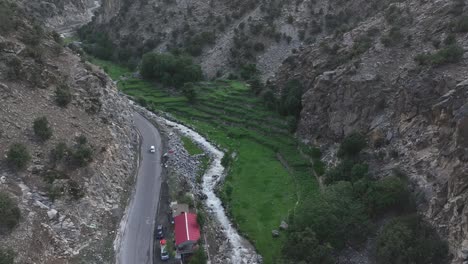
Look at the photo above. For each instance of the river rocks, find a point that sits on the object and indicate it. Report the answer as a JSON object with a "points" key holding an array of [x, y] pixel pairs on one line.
{"points": [[283, 225], [275, 233]]}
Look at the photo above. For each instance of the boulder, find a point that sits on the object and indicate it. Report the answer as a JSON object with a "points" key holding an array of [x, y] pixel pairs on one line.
{"points": [[275, 233], [283, 225], [52, 214]]}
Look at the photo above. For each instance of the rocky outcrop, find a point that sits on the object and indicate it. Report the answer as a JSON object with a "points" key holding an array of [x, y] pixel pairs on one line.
{"points": [[415, 115], [69, 213], [64, 16]]}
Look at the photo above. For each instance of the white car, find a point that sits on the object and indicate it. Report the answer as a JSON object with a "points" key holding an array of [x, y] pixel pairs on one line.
{"points": [[152, 149]]}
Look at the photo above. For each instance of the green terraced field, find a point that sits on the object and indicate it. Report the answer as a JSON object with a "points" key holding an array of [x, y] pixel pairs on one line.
{"points": [[260, 190]]}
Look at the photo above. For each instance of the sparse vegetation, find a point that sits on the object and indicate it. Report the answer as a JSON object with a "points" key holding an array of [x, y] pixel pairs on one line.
{"points": [[449, 54], [63, 95], [42, 128], [9, 213], [18, 156], [7, 256]]}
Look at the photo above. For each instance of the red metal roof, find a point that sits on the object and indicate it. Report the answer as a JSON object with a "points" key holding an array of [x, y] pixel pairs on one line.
{"points": [[186, 228]]}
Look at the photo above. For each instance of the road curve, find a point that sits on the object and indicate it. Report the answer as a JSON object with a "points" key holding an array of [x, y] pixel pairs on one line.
{"points": [[136, 246]]}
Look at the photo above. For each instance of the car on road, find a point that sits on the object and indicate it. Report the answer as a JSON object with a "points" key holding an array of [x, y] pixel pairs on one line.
{"points": [[159, 232], [152, 149], [164, 253]]}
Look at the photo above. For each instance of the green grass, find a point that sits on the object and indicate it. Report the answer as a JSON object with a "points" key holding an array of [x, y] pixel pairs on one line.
{"points": [[113, 70], [191, 147], [264, 192]]}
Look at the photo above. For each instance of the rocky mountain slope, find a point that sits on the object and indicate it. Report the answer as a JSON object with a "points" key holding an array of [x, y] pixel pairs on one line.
{"points": [[400, 77], [72, 192]]}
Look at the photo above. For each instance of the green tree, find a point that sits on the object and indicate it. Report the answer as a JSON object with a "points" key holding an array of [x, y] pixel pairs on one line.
{"points": [[388, 193], [18, 156], [189, 92], [58, 153], [199, 257], [248, 71], [7, 256], [9, 213], [409, 239], [291, 97], [169, 69], [335, 216], [303, 245], [42, 128]]}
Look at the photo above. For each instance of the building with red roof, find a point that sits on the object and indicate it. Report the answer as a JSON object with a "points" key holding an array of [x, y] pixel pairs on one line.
{"points": [[187, 232]]}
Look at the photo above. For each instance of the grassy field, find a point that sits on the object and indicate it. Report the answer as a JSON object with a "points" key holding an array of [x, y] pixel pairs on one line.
{"points": [[191, 147], [268, 175]]}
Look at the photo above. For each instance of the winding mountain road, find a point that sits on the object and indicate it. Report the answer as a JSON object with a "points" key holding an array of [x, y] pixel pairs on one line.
{"points": [[136, 245]]}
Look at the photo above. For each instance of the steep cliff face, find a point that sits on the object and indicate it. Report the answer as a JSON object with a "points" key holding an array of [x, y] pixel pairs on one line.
{"points": [[64, 16], [414, 109], [70, 199]]}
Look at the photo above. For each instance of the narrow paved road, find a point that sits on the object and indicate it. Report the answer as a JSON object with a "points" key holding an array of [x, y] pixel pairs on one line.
{"points": [[137, 241]]}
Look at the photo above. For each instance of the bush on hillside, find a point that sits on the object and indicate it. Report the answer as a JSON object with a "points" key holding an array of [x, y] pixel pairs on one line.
{"points": [[389, 193], [303, 245], [63, 95], [189, 92], [346, 170], [449, 54], [248, 71], [18, 156], [8, 17], [60, 152], [291, 98], [171, 70], [9, 213], [42, 128], [7, 256], [392, 38], [352, 145], [410, 240], [461, 25]]}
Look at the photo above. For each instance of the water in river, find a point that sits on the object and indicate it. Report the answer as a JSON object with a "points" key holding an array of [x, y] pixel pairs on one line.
{"points": [[242, 252]]}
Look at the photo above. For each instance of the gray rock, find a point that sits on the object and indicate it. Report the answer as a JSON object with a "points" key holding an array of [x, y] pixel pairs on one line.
{"points": [[283, 225], [52, 214], [275, 233]]}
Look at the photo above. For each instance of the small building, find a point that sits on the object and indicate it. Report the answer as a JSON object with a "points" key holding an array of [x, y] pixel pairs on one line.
{"points": [[187, 233]]}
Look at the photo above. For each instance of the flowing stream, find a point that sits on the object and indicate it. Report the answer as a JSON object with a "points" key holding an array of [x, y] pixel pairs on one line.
{"points": [[242, 251]]}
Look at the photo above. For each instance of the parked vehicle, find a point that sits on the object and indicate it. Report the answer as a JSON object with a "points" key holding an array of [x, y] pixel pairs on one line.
{"points": [[152, 149], [164, 253], [159, 232]]}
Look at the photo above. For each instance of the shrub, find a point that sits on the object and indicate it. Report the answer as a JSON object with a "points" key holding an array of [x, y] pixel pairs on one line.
{"points": [[52, 175], [462, 24], [9, 213], [360, 46], [199, 257], [63, 95], [410, 240], [18, 156], [269, 99], [58, 153], [389, 193], [189, 92], [449, 54], [352, 145], [82, 155], [291, 97], [174, 70], [248, 71], [8, 17], [392, 38], [319, 167], [346, 170], [42, 128], [75, 190], [201, 218], [7, 256], [227, 159], [303, 245]]}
